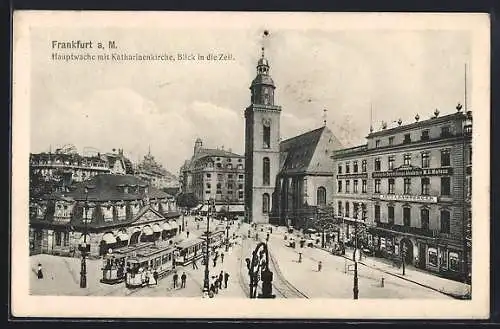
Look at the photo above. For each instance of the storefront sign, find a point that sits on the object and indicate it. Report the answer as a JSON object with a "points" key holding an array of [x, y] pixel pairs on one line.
{"points": [[413, 171], [352, 176], [408, 198]]}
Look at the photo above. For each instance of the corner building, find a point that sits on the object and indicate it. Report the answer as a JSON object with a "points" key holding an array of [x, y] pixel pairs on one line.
{"points": [[416, 183], [262, 149]]}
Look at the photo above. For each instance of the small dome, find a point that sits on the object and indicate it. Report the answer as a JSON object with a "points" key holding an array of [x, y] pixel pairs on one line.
{"points": [[263, 61]]}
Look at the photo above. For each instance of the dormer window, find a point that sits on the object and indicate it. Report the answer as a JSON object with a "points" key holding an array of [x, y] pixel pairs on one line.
{"points": [[425, 135], [445, 131], [407, 139], [377, 143]]}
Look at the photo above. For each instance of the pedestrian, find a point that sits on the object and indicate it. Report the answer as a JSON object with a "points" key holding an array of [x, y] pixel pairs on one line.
{"points": [[176, 278], [320, 265], [155, 276], [226, 278], [222, 258], [183, 280], [212, 290], [221, 277], [187, 234], [198, 226], [39, 273], [216, 286], [195, 266], [147, 274]]}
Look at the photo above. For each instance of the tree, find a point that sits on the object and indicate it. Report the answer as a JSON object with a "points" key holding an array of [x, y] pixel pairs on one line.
{"points": [[187, 200]]}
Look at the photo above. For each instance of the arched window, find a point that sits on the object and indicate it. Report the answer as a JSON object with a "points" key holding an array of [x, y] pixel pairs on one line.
{"points": [[321, 196], [266, 171], [266, 135], [265, 203]]}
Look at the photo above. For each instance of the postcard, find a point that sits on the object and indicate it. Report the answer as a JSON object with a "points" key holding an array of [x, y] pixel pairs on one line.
{"points": [[250, 165]]}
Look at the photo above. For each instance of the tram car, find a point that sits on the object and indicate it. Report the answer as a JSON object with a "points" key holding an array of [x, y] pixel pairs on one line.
{"points": [[190, 250], [113, 267], [146, 261], [215, 239]]}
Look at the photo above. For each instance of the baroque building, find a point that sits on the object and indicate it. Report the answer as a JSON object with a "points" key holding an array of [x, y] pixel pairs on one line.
{"points": [[113, 210], [415, 184], [215, 174]]}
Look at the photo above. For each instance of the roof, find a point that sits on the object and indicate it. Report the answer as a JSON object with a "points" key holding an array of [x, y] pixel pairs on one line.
{"points": [[302, 154], [263, 79], [217, 152], [105, 187]]}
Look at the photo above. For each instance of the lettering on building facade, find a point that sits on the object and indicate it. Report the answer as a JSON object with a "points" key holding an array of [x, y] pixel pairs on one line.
{"points": [[415, 171]]}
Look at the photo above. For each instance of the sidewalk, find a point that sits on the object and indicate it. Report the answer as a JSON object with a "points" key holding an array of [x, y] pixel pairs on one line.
{"points": [[448, 287]]}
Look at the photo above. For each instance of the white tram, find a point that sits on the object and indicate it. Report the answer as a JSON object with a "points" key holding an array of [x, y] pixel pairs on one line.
{"points": [[146, 261], [190, 250], [113, 267]]}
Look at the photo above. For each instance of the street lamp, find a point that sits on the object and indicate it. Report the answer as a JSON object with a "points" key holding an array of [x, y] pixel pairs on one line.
{"points": [[183, 209], [355, 288], [84, 248], [206, 280], [227, 237]]}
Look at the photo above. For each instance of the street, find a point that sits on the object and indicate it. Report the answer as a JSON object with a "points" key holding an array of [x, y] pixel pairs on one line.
{"points": [[292, 279]]}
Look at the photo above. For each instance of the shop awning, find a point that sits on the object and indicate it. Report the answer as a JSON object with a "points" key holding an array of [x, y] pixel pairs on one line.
{"points": [[167, 227], [204, 208], [109, 238], [147, 230], [237, 208], [122, 236], [157, 228]]}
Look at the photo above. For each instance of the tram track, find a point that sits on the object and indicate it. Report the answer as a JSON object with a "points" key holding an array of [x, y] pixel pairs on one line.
{"points": [[281, 284]]}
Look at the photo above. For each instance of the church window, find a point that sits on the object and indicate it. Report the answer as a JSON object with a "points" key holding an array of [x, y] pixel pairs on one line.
{"points": [[266, 135], [266, 171], [321, 196], [265, 203]]}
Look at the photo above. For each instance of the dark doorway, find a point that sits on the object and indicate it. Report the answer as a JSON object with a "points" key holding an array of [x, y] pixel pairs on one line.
{"points": [[134, 239], [421, 255]]}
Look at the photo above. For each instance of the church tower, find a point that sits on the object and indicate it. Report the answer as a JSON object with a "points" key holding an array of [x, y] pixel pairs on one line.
{"points": [[262, 133]]}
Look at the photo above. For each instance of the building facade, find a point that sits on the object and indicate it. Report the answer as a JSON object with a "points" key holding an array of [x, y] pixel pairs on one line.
{"points": [[215, 174], [113, 210], [152, 171], [262, 133], [415, 183], [305, 180]]}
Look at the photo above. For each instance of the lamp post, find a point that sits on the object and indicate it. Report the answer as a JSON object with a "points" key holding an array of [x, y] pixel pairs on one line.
{"points": [[260, 262], [206, 280], [84, 248], [183, 209], [403, 254]]}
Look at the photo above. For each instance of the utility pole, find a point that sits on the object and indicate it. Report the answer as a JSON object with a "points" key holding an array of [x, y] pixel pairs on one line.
{"points": [[355, 288]]}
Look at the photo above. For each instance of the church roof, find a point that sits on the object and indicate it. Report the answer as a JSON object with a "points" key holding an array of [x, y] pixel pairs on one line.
{"points": [[301, 154]]}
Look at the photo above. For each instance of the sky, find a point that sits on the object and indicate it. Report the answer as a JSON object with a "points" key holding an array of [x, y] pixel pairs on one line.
{"points": [[165, 106]]}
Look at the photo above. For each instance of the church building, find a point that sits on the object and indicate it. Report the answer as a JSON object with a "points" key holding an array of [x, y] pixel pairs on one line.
{"points": [[286, 180]]}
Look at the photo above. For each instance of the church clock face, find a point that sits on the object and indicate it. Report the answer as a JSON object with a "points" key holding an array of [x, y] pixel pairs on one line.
{"points": [[266, 122]]}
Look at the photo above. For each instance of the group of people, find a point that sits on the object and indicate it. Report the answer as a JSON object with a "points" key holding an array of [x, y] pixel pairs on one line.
{"points": [[149, 277], [216, 283], [183, 280]]}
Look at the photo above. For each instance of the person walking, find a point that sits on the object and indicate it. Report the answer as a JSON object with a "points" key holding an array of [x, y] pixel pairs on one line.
{"points": [[195, 266], [39, 273], [155, 276], [320, 265], [220, 278], [215, 261], [183, 280], [176, 279], [222, 258], [187, 234], [226, 278]]}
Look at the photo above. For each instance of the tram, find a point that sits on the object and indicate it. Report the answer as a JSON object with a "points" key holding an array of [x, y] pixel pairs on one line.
{"points": [[113, 267], [215, 239], [190, 250], [154, 258]]}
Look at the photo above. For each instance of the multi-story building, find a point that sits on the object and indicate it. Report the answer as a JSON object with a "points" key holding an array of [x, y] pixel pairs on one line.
{"points": [[415, 182], [215, 174], [113, 210], [305, 179], [152, 171]]}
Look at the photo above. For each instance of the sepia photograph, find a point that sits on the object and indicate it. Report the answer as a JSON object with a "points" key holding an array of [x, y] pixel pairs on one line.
{"points": [[319, 162]]}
